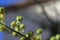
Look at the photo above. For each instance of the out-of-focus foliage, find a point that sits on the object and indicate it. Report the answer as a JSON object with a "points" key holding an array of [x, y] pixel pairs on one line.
{"points": [[2, 12], [57, 37]]}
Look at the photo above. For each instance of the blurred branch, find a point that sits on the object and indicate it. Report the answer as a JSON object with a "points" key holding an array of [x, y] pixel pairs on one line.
{"points": [[26, 4], [41, 1], [44, 12], [22, 5]]}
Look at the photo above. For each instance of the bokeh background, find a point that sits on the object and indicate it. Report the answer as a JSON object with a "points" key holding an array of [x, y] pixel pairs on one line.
{"points": [[34, 17]]}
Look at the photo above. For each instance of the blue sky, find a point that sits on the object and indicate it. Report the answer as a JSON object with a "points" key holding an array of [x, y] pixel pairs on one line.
{"points": [[10, 2], [1, 35]]}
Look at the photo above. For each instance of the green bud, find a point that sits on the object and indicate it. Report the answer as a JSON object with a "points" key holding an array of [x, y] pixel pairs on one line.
{"points": [[19, 18], [2, 21], [37, 37], [1, 16], [2, 27], [53, 38], [22, 38], [58, 36], [29, 34], [21, 31], [16, 29], [39, 31], [2, 9], [13, 24], [22, 26], [17, 23], [14, 33]]}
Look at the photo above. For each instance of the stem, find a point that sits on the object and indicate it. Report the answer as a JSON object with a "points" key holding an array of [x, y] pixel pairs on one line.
{"points": [[13, 30]]}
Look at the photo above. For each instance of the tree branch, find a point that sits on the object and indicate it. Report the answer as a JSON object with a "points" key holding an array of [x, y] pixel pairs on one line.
{"points": [[13, 30]]}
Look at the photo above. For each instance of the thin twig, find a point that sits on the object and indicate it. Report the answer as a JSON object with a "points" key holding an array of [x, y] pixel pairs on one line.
{"points": [[13, 30]]}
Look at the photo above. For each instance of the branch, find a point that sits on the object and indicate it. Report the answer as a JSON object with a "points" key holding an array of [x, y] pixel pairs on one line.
{"points": [[44, 12], [13, 30]]}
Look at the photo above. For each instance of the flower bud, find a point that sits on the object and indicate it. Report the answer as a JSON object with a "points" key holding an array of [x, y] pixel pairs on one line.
{"points": [[39, 31], [19, 18]]}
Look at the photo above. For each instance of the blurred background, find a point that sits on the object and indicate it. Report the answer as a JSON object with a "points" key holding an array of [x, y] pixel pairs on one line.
{"points": [[43, 14]]}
